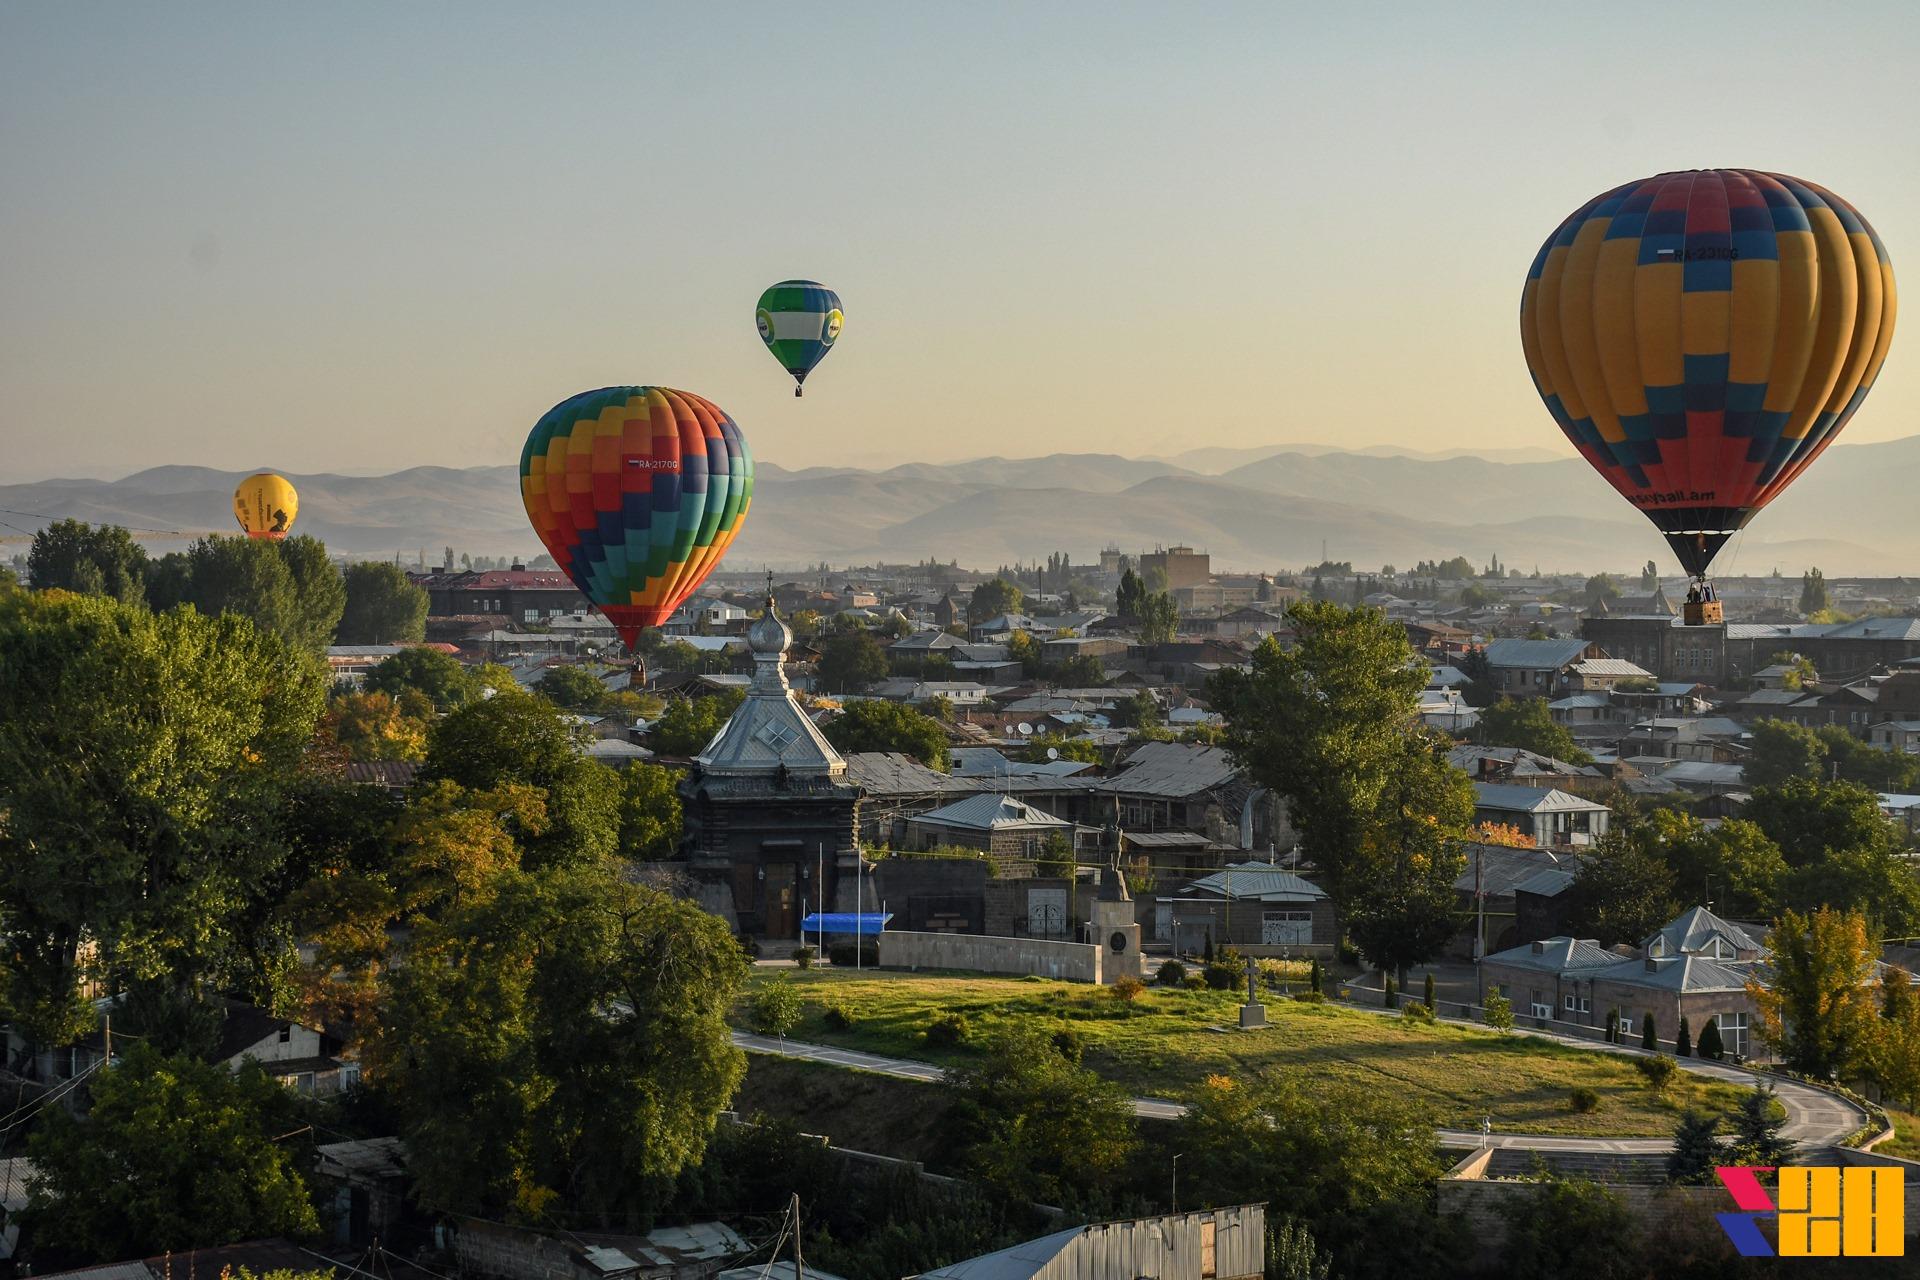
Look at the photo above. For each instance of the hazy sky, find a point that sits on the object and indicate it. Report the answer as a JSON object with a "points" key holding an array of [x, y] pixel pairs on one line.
{"points": [[360, 237]]}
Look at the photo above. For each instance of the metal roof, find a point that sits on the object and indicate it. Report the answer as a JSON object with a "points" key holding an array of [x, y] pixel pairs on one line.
{"points": [[1550, 883], [1261, 880], [1170, 769], [1557, 955], [891, 773], [989, 812], [1500, 869], [1677, 973], [1693, 929], [1610, 667], [1543, 654], [1494, 795]]}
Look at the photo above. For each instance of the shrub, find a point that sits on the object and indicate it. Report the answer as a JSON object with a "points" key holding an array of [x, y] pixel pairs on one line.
{"points": [[1311, 996], [1349, 954], [803, 957], [1416, 1011], [842, 953], [776, 1008], [948, 1031], [1194, 982], [1582, 1099], [1613, 1025], [1427, 997], [1315, 977], [1069, 1042], [1388, 993], [1658, 1069], [1226, 971], [1171, 973], [1683, 1043], [1128, 989], [1649, 1038], [1499, 1012], [1710, 1045], [837, 1018]]}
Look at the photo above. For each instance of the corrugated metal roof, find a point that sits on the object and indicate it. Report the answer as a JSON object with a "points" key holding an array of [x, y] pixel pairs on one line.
{"points": [[1610, 667], [1693, 929], [890, 773], [1680, 973], [1535, 654], [1494, 795], [989, 812], [1557, 955], [1171, 769], [1550, 883], [1261, 880]]}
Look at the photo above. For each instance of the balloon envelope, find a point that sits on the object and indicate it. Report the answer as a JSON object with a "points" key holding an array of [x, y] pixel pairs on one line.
{"points": [[637, 492], [1702, 336], [799, 320], [265, 505]]}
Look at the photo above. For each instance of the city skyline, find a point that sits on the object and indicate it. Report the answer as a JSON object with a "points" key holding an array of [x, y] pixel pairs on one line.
{"points": [[243, 238]]}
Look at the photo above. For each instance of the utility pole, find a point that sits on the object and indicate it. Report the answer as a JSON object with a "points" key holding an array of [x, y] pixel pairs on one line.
{"points": [[799, 1268], [859, 925]]}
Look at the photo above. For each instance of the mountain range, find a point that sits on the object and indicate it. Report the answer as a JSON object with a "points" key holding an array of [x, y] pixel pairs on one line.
{"points": [[1274, 508]]}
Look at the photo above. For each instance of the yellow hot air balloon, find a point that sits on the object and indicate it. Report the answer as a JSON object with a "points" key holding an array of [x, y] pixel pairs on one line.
{"points": [[265, 505]]}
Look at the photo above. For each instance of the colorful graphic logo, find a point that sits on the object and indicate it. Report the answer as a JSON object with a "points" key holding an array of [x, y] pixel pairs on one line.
{"points": [[1824, 1212]]}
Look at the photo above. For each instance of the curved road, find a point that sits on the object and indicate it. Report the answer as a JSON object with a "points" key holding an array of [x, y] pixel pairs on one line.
{"points": [[1814, 1117]]}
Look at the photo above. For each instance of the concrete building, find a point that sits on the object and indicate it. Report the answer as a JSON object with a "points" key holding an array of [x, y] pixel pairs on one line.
{"points": [[1183, 567]]}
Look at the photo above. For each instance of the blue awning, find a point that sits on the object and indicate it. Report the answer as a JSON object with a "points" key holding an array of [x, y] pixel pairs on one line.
{"points": [[865, 925]]}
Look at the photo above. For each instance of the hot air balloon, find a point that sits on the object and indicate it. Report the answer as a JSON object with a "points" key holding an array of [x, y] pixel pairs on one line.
{"points": [[1701, 337], [637, 492], [265, 505], [799, 321]]}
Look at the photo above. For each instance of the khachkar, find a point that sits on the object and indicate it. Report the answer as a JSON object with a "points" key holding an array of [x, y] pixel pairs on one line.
{"points": [[770, 813], [1115, 926]]}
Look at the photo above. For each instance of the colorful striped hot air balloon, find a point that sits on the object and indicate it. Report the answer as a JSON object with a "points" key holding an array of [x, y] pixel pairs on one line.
{"points": [[265, 505], [1702, 336], [637, 492], [799, 321]]}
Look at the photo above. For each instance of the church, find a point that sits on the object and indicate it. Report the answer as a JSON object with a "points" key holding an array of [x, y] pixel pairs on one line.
{"points": [[771, 818]]}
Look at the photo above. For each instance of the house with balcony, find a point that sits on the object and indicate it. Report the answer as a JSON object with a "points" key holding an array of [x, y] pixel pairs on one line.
{"points": [[1554, 819]]}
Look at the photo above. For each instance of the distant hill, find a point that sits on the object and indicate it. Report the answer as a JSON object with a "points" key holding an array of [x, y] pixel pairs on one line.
{"points": [[1251, 509]]}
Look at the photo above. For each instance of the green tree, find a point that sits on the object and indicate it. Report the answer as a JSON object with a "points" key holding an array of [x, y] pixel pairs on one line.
{"points": [[1081, 671], [1813, 592], [1812, 820], [1734, 865], [1800, 673], [1683, 1040], [511, 739], [993, 598], [1622, 889], [319, 591], [1876, 880], [91, 560], [438, 675], [382, 605], [650, 812], [1757, 1139], [1568, 1225], [1084, 750], [1782, 751], [1816, 1003], [1601, 589], [1323, 724], [850, 661], [1056, 856], [1711, 1047], [874, 725], [1649, 1035], [560, 1040], [1159, 619], [774, 1009], [572, 688], [173, 1154], [1696, 1148], [1403, 910], [1339, 1157], [1893, 1051], [1526, 723], [1131, 595], [1137, 712], [140, 756], [1037, 1127], [688, 724], [1650, 577], [1499, 1011]]}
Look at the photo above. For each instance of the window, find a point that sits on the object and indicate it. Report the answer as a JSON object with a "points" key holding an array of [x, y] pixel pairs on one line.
{"points": [[1568, 1003], [286, 1033], [1209, 1263], [1733, 1033]]}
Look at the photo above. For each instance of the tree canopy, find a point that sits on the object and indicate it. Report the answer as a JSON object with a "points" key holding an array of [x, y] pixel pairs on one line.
{"points": [[290, 587], [437, 675], [1324, 724], [1526, 723], [993, 598], [382, 605], [94, 560], [688, 724], [1816, 1004], [874, 725], [174, 1153], [851, 660]]}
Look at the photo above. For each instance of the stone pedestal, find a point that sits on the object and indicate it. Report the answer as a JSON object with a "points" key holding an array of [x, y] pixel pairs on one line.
{"points": [[1252, 1015]]}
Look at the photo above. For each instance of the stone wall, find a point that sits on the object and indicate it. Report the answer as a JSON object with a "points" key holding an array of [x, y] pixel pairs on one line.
{"points": [[1070, 961]]}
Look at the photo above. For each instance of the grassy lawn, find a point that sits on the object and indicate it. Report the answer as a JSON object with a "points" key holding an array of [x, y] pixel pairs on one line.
{"points": [[1166, 1042], [1905, 1141]]}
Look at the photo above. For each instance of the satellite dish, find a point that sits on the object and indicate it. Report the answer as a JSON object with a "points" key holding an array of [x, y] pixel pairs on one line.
{"points": [[1053, 753], [1024, 728]]}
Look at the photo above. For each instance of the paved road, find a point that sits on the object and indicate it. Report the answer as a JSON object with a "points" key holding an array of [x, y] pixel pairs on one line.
{"points": [[1814, 1117]]}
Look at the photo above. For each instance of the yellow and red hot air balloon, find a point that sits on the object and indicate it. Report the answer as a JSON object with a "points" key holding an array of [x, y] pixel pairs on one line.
{"points": [[1700, 337], [265, 505], [637, 492]]}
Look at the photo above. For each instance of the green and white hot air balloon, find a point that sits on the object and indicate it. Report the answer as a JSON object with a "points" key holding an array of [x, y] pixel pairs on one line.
{"points": [[799, 320]]}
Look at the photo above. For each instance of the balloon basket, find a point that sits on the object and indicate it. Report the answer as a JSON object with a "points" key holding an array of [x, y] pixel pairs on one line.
{"points": [[1703, 613], [796, 393]]}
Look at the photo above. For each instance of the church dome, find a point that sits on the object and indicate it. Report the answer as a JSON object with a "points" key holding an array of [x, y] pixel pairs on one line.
{"points": [[768, 636]]}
